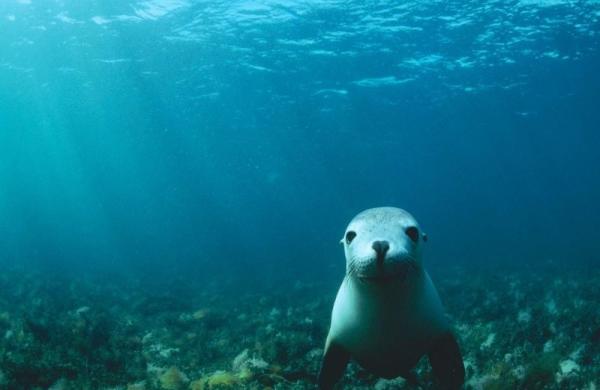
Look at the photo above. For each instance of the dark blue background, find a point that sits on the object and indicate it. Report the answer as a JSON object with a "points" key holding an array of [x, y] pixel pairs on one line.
{"points": [[195, 141]]}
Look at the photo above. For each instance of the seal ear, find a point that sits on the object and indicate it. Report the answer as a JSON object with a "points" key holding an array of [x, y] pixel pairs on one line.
{"points": [[424, 235], [342, 241], [334, 363]]}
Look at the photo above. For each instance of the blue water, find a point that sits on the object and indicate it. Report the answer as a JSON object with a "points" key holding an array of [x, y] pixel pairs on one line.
{"points": [[234, 140], [246, 134]]}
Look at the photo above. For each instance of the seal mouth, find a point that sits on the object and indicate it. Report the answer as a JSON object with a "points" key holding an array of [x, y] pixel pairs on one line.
{"points": [[378, 279], [383, 278], [398, 274]]}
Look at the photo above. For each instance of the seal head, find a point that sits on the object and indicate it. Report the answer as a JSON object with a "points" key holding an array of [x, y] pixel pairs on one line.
{"points": [[382, 245]]}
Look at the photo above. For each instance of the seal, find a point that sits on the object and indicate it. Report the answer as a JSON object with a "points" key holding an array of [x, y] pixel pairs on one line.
{"points": [[387, 313]]}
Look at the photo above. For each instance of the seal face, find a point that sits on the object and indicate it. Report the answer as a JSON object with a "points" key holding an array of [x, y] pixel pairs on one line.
{"points": [[382, 244], [387, 313]]}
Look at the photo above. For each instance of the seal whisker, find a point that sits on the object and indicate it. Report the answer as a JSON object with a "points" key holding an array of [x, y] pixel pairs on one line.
{"points": [[412, 263], [351, 269]]}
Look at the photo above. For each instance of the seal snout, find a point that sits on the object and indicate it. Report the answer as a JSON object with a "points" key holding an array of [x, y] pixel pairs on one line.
{"points": [[380, 248]]}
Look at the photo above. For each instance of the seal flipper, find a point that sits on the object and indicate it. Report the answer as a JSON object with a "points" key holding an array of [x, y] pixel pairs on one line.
{"points": [[410, 377], [447, 363], [334, 363]]}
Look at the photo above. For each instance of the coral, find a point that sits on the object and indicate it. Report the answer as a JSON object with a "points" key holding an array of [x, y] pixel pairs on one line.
{"points": [[173, 379], [217, 380]]}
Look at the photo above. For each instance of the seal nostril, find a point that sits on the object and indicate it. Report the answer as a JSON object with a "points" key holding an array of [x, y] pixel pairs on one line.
{"points": [[380, 247]]}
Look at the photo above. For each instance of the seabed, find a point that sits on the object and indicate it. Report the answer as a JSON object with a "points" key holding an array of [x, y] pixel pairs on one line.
{"points": [[537, 328]]}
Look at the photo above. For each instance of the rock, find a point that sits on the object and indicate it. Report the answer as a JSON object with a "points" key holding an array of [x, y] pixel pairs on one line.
{"points": [[389, 384], [137, 386], [199, 314], [82, 310], [60, 384], [566, 368], [488, 341], [240, 360]]}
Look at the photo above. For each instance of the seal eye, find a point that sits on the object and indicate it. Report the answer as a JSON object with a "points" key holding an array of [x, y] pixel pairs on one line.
{"points": [[350, 236], [413, 233]]}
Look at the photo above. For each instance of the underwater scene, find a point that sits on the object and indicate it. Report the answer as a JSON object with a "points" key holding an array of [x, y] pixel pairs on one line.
{"points": [[179, 181]]}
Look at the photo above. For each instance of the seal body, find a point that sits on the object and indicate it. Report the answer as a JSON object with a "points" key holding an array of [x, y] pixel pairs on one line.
{"points": [[387, 328], [387, 314]]}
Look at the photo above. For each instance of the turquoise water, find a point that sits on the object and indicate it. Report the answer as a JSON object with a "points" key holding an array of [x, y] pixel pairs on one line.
{"points": [[224, 146]]}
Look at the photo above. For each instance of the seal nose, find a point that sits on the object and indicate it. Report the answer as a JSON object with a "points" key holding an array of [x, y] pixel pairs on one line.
{"points": [[380, 248]]}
